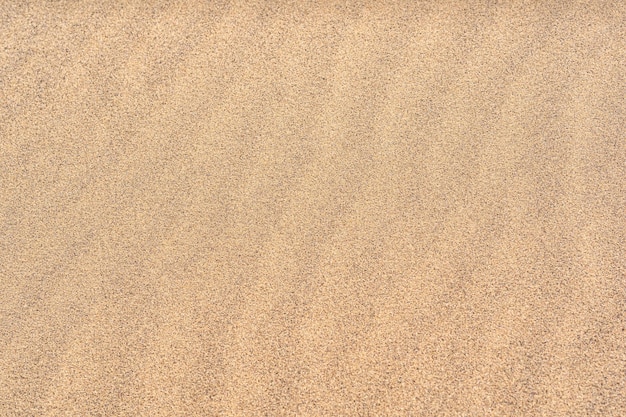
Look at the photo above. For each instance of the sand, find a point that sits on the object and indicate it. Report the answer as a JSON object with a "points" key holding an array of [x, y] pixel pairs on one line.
{"points": [[312, 208]]}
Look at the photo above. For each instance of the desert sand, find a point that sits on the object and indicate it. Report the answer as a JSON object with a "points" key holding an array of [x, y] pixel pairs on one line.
{"points": [[312, 208]]}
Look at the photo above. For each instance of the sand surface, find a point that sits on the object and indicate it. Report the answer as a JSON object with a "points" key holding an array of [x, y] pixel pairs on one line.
{"points": [[312, 208]]}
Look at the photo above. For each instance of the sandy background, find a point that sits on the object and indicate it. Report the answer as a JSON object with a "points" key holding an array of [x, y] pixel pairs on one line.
{"points": [[312, 209]]}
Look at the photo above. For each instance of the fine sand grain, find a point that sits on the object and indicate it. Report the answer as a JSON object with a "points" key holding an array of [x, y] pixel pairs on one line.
{"points": [[321, 208]]}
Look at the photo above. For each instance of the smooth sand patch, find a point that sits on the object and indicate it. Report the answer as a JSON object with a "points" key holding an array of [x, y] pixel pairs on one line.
{"points": [[297, 209]]}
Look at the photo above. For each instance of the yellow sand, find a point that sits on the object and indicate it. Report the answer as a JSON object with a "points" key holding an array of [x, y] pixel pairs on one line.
{"points": [[312, 208]]}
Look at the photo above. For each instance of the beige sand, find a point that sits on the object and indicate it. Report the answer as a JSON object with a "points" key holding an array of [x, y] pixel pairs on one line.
{"points": [[300, 209]]}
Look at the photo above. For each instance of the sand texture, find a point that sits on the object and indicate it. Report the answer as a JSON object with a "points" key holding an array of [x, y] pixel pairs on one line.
{"points": [[299, 208]]}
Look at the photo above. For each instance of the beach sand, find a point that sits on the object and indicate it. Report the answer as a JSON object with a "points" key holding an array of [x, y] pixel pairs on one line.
{"points": [[312, 208]]}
